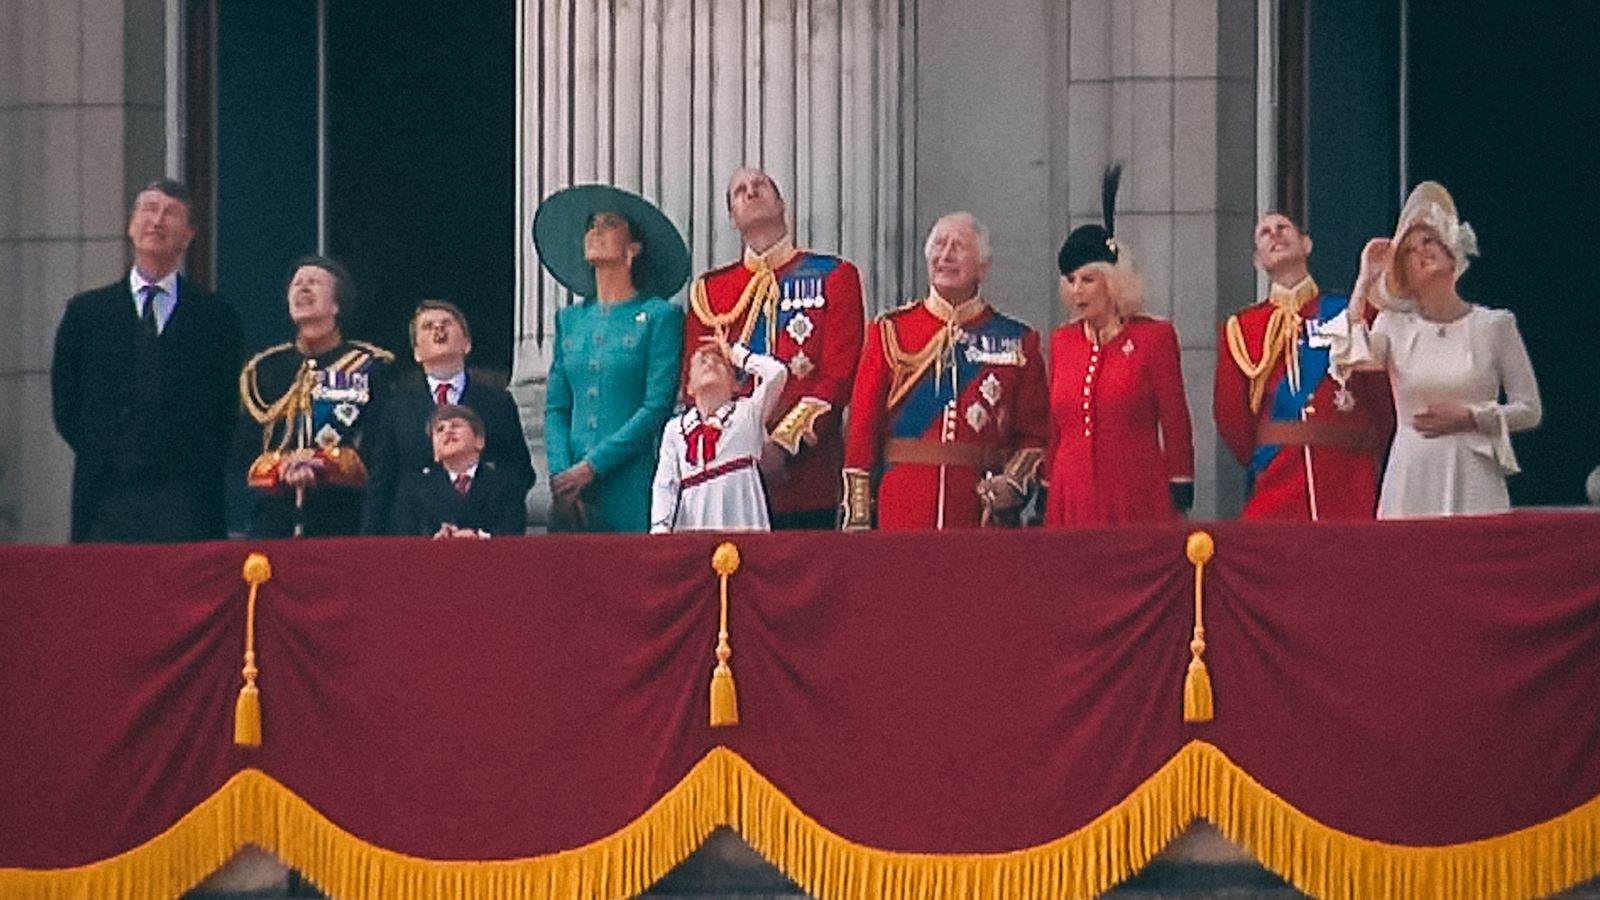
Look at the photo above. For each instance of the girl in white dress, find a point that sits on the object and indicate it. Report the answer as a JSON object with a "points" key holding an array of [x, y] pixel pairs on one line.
{"points": [[1450, 362], [707, 477]]}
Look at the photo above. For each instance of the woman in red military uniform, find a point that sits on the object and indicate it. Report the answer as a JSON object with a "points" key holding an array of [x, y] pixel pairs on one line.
{"points": [[1121, 445]]}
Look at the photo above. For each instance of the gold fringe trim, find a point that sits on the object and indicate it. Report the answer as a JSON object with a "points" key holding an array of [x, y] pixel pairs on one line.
{"points": [[723, 789]]}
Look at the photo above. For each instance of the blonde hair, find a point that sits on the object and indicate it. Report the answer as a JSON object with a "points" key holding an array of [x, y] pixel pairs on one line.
{"points": [[1123, 281]]}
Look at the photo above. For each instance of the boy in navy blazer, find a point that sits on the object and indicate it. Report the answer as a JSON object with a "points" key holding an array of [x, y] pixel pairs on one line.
{"points": [[459, 496]]}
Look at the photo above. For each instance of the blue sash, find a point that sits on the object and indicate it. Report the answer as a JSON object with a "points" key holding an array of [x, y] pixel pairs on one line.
{"points": [[1287, 403], [974, 352], [800, 288]]}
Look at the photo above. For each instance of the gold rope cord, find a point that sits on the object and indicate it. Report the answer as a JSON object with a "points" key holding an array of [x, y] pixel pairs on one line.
{"points": [[759, 297], [1197, 698], [908, 368], [1279, 341], [724, 695], [247, 709]]}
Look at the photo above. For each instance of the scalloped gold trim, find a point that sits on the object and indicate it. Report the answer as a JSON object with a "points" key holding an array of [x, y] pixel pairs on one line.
{"points": [[1200, 781]]}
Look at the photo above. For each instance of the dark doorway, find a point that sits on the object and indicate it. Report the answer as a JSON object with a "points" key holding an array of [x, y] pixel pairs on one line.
{"points": [[1504, 112], [421, 130]]}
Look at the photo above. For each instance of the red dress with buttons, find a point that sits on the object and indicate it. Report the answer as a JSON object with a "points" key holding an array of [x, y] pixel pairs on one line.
{"points": [[1119, 425]]}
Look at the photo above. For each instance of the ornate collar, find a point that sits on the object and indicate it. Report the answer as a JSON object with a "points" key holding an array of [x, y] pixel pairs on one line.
{"points": [[1294, 298], [774, 257], [954, 313]]}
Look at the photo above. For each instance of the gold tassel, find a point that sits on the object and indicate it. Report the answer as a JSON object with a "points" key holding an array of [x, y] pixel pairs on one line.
{"points": [[724, 697], [1197, 705], [247, 710]]}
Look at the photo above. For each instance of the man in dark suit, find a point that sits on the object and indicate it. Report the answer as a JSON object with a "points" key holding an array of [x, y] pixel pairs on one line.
{"points": [[440, 342], [460, 496], [142, 386]]}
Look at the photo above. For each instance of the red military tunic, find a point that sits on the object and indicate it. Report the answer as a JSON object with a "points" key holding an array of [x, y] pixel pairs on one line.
{"points": [[944, 396], [1119, 425], [808, 315], [1311, 454]]}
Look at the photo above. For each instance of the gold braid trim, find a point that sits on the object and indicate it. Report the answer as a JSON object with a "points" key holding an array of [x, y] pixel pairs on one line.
{"points": [[760, 295], [377, 352], [908, 368], [1200, 781], [857, 501], [250, 392], [1022, 471], [1279, 342]]}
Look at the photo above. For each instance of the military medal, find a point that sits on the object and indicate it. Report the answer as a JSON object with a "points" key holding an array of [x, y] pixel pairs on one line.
{"points": [[1343, 400]]}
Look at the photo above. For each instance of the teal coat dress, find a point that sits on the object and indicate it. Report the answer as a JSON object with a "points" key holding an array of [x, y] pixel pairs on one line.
{"points": [[613, 383]]}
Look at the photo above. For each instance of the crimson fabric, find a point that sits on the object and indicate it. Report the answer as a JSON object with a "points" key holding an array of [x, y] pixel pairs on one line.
{"points": [[1345, 482], [1409, 682], [1119, 425], [990, 401]]}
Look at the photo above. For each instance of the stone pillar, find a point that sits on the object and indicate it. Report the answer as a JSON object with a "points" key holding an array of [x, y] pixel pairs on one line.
{"points": [[82, 96], [1020, 104]]}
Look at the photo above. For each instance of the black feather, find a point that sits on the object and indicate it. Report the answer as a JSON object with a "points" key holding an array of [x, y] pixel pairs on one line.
{"points": [[1108, 196]]}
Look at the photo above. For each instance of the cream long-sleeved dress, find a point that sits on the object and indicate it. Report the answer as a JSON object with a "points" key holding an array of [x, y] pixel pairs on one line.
{"points": [[1475, 361]]}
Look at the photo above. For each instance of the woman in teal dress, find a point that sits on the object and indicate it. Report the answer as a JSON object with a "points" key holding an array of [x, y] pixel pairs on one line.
{"points": [[614, 376]]}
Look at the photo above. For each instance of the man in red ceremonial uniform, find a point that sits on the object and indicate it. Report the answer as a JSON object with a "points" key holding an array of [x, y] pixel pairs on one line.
{"points": [[804, 309], [1312, 444], [951, 406]]}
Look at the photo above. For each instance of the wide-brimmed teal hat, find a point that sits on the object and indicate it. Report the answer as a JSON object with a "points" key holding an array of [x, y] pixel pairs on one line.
{"points": [[562, 219]]}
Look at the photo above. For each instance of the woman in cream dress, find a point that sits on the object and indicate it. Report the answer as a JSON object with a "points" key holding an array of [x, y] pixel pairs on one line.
{"points": [[1461, 376]]}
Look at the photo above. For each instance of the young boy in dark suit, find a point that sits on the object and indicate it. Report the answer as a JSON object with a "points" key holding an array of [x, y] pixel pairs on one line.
{"points": [[458, 496]]}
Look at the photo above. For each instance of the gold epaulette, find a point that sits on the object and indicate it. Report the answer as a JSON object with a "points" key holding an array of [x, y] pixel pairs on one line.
{"points": [[377, 352], [250, 391]]}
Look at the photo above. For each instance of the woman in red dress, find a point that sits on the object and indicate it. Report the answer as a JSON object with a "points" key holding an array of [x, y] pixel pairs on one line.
{"points": [[1121, 446]]}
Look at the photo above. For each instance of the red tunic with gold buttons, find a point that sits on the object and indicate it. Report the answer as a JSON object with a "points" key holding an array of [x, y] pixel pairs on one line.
{"points": [[944, 397], [1312, 448], [804, 309], [1119, 425]]}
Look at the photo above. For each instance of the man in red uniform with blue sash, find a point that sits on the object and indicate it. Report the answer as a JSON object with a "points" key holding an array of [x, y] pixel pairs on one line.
{"points": [[951, 405], [804, 309], [1312, 444]]}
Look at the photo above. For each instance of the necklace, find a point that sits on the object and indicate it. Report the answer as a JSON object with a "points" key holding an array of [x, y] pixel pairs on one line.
{"points": [[1441, 327]]}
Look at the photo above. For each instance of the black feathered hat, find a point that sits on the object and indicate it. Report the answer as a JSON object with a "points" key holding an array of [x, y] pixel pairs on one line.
{"points": [[1094, 243]]}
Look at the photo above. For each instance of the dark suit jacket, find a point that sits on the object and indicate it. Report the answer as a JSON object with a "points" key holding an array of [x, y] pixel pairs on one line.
{"points": [[426, 498], [402, 443], [93, 386]]}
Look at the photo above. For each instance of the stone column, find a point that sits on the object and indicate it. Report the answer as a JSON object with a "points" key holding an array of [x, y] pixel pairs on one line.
{"points": [[1020, 104], [82, 94]]}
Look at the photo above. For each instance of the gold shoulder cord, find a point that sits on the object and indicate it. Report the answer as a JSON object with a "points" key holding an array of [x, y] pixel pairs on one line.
{"points": [[250, 392], [354, 359], [908, 368], [1279, 338], [762, 281]]}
